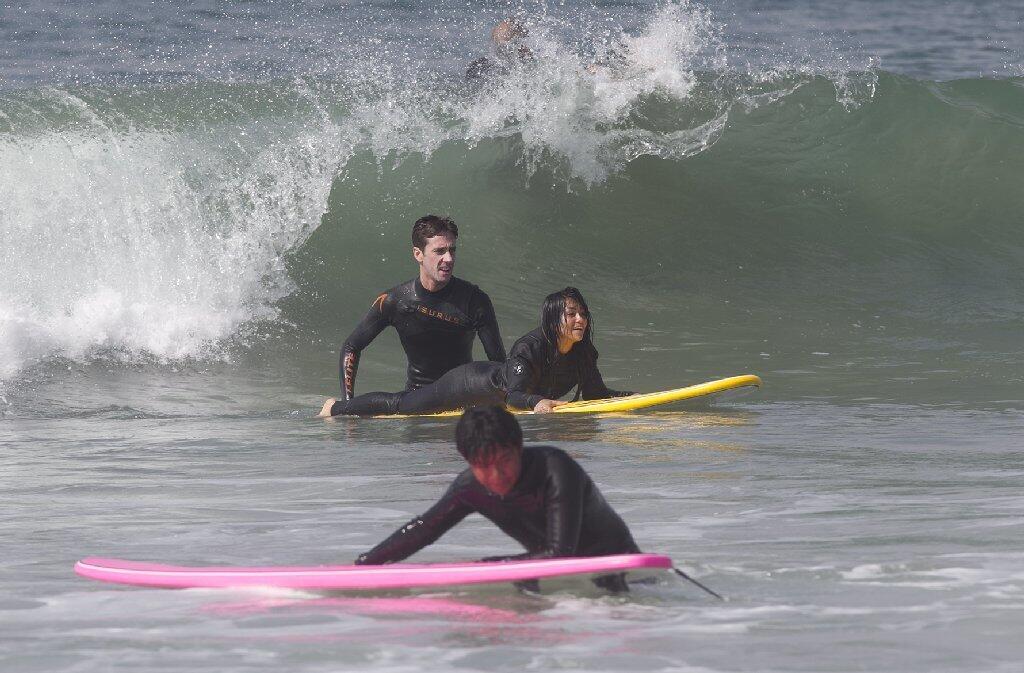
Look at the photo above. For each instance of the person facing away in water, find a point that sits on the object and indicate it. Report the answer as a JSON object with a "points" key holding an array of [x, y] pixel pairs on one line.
{"points": [[436, 314], [543, 366], [507, 42], [537, 495]]}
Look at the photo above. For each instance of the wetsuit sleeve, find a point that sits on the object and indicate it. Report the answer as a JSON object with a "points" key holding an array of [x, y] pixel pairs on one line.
{"points": [[521, 376], [486, 324], [372, 324], [592, 386], [420, 531]]}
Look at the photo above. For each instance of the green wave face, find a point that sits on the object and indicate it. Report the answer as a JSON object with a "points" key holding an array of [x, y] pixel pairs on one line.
{"points": [[861, 226], [884, 233]]}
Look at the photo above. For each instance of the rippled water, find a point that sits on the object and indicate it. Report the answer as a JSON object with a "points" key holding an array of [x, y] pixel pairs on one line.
{"points": [[196, 204], [844, 536]]}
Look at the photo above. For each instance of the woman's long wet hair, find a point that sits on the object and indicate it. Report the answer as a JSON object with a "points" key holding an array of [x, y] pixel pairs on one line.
{"points": [[552, 314]]}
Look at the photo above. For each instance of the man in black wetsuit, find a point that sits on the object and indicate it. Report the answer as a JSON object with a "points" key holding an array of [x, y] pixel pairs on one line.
{"points": [[537, 495], [436, 315]]}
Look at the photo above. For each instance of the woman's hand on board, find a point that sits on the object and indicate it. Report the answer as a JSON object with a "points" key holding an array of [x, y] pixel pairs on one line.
{"points": [[546, 406]]}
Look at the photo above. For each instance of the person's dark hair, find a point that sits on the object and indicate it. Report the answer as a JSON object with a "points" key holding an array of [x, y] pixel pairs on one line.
{"points": [[429, 226], [484, 432], [552, 314]]}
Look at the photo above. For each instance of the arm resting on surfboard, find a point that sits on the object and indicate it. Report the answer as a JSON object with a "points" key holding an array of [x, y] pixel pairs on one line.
{"points": [[420, 531], [592, 386]]}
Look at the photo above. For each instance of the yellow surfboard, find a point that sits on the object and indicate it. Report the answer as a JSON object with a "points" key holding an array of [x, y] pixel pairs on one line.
{"points": [[630, 403]]}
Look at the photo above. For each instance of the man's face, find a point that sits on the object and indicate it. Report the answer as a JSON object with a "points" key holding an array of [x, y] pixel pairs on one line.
{"points": [[437, 258], [499, 473]]}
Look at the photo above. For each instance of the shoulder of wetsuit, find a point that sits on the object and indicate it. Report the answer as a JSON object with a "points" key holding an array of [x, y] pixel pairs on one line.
{"points": [[531, 456], [531, 349], [472, 288], [463, 479], [406, 289], [385, 301], [556, 460], [548, 451], [481, 296], [402, 296], [392, 295], [532, 340], [475, 297], [545, 453]]}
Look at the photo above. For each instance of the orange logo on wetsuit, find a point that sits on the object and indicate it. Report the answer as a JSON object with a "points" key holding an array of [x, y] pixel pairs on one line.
{"points": [[379, 300], [351, 362], [434, 313]]}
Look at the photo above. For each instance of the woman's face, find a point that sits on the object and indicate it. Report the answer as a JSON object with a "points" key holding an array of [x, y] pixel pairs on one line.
{"points": [[574, 322]]}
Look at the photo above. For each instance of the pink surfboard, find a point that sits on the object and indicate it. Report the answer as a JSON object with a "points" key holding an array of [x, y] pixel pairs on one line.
{"points": [[393, 576]]}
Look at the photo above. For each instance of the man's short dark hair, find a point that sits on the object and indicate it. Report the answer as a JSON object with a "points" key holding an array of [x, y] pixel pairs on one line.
{"points": [[429, 226], [484, 432]]}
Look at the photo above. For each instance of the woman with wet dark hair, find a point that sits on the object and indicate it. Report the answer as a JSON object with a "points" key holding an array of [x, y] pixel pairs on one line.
{"points": [[558, 356], [543, 365]]}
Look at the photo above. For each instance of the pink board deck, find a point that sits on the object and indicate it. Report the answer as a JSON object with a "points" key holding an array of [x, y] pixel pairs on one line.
{"points": [[393, 576]]}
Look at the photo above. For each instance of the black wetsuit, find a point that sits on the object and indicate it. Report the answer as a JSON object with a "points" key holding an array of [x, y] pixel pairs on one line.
{"points": [[554, 510], [530, 378], [525, 379], [436, 330]]}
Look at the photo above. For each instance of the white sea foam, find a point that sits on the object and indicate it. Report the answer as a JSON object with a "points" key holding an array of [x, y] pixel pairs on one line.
{"points": [[151, 244], [568, 106], [902, 575]]}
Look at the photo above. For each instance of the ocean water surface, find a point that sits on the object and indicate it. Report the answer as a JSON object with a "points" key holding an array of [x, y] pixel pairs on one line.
{"points": [[198, 202]]}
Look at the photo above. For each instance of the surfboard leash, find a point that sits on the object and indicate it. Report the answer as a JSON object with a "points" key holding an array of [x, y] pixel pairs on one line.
{"points": [[690, 579]]}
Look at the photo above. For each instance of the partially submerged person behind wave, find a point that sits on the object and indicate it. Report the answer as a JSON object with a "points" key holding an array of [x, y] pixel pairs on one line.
{"points": [[538, 495], [543, 365], [508, 49]]}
